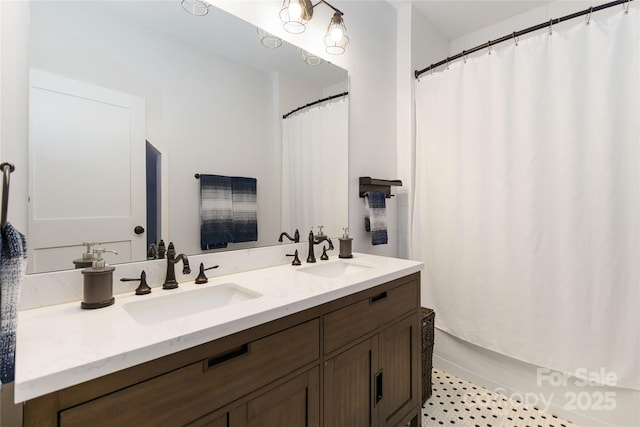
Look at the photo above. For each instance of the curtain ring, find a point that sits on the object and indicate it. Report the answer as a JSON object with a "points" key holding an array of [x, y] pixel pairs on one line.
{"points": [[432, 67], [447, 67], [626, 9], [589, 15], [550, 26], [464, 56], [515, 39], [489, 47]]}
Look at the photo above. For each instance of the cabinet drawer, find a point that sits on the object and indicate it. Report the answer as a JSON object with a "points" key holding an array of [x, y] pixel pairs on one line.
{"points": [[346, 324], [185, 394]]}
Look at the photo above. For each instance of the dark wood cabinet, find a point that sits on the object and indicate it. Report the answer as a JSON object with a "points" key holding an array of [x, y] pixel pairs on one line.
{"points": [[294, 402], [351, 362], [376, 382], [349, 386], [400, 370], [180, 396]]}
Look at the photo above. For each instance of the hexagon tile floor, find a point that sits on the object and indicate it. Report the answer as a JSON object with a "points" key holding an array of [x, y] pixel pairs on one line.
{"points": [[456, 402]]}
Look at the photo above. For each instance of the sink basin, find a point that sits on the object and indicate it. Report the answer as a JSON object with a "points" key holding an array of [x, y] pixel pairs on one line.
{"points": [[335, 269], [176, 305]]}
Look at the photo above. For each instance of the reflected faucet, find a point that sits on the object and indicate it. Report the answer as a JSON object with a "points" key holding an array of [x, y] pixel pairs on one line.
{"points": [[295, 238], [314, 241], [170, 281]]}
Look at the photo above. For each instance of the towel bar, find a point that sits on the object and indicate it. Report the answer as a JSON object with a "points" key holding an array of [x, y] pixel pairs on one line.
{"points": [[369, 184]]}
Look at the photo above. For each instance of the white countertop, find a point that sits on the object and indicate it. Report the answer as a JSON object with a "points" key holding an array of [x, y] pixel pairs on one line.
{"points": [[63, 345]]}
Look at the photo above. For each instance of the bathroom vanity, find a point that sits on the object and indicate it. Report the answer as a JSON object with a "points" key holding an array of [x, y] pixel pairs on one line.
{"points": [[331, 344]]}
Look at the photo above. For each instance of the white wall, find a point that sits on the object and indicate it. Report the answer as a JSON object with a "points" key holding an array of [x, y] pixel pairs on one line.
{"points": [[14, 88], [418, 43], [498, 372]]}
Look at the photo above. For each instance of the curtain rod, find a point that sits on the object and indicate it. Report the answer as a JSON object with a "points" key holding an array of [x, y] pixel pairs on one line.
{"points": [[516, 34], [314, 103]]}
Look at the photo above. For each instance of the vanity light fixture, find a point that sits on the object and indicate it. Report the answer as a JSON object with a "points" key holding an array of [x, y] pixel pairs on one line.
{"points": [[336, 38], [310, 58], [295, 14], [195, 7], [268, 39]]}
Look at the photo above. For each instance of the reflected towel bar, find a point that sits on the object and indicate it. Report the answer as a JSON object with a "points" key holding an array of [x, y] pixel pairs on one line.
{"points": [[369, 184]]}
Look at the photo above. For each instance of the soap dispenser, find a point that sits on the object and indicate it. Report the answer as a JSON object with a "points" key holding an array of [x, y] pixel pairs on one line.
{"points": [[98, 282], [345, 245], [87, 257]]}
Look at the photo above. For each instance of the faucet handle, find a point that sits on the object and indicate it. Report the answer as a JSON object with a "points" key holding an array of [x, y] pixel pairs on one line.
{"points": [[320, 233], [296, 260], [152, 251], [142, 288], [202, 278]]}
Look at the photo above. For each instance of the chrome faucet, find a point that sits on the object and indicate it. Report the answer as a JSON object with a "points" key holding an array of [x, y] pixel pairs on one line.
{"points": [[170, 281], [314, 241], [295, 238]]}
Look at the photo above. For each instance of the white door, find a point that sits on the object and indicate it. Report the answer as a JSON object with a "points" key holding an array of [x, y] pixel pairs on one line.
{"points": [[86, 172]]}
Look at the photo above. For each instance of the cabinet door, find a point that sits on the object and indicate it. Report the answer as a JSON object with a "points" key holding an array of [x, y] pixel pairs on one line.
{"points": [[295, 403], [349, 386], [399, 357]]}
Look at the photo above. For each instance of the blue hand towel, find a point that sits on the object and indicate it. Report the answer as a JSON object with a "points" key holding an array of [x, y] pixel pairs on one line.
{"points": [[13, 264], [245, 209], [216, 212], [375, 216]]}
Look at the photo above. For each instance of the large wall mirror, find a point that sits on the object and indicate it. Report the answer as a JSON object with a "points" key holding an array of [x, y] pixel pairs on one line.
{"points": [[129, 100]]}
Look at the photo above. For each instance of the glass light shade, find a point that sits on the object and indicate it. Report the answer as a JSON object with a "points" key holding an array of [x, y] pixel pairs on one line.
{"points": [[195, 7], [310, 58], [295, 14], [336, 38], [268, 39]]}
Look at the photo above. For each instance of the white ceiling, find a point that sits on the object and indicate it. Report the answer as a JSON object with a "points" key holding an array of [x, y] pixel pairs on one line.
{"points": [[455, 18]]}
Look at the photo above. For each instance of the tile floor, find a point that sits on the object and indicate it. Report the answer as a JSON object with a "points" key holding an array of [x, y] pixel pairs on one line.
{"points": [[456, 402]]}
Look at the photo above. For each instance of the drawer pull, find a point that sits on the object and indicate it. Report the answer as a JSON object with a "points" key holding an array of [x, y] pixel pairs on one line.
{"points": [[376, 298], [225, 356]]}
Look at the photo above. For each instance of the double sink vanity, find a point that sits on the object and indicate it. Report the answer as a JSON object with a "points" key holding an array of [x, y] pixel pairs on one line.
{"points": [[336, 343]]}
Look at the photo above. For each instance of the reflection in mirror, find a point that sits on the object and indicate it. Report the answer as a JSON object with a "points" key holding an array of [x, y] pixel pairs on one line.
{"points": [[315, 137], [129, 99]]}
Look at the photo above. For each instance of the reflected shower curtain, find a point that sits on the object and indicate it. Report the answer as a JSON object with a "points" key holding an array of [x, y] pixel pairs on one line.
{"points": [[527, 196], [315, 152]]}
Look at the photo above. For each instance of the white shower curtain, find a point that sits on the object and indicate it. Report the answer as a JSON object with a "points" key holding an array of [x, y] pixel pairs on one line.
{"points": [[315, 154], [527, 198]]}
